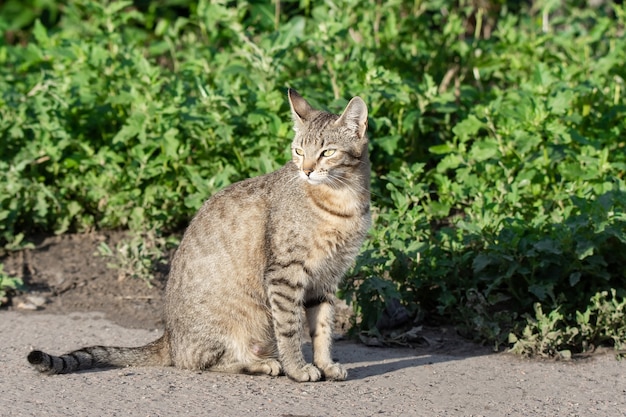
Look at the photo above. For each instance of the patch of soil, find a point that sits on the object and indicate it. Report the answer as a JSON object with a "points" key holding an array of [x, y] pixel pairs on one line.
{"points": [[65, 274]]}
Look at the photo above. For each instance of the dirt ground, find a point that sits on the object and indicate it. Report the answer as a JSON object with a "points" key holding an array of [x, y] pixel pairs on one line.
{"points": [[75, 300], [67, 273]]}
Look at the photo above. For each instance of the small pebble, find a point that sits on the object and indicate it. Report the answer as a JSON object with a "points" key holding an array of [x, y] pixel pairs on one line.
{"points": [[26, 305], [37, 300]]}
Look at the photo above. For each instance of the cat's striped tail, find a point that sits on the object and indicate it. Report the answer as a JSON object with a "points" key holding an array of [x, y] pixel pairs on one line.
{"points": [[152, 354]]}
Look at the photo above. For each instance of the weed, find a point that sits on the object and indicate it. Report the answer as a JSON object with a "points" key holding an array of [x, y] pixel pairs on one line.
{"points": [[140, 255], [8, 284]]}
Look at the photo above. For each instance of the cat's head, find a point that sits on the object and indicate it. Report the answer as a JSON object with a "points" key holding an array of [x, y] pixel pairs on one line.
{"points": [[328, 148]]}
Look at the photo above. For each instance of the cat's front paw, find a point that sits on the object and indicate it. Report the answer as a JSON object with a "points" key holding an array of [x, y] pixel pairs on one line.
{"points": [[335, 372], [308, 373]]}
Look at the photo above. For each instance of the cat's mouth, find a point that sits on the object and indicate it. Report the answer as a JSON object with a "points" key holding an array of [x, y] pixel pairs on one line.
{"points": [[312, 178], [314, 181]]}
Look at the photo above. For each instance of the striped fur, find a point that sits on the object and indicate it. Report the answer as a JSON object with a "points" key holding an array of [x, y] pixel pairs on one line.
{"points": [[154, 354], [260, 261]]}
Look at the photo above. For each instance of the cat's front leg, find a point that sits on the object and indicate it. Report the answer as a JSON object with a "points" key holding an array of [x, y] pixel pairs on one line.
{"points": [[285, 293], [320, 316]]}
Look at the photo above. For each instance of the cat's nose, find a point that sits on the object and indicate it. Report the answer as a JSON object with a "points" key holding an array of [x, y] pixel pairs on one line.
{"points": [[307, 172]]}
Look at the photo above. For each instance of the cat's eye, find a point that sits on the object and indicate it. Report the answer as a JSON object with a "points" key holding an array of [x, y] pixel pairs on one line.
{"points": [[328, 152], [299, 151]]}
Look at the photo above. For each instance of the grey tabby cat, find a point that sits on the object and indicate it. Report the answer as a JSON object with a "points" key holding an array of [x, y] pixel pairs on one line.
{"points": [[259, 257]]}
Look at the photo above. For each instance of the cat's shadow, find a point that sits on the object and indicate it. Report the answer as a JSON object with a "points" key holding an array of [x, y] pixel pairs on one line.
{"points": [[364, 362], [378, 369]]}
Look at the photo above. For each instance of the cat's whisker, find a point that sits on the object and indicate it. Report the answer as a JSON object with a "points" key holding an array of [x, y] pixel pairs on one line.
{"points": [[357, 186], [293, 178], [337, 183], [354, 186]]}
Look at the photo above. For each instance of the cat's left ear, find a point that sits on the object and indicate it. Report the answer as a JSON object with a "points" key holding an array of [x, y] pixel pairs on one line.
{"points": [[355, 117]]}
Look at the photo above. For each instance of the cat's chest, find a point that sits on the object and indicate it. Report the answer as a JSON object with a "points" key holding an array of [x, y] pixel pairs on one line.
{"points": [[335, 245], [332, 237], [340, 224]]}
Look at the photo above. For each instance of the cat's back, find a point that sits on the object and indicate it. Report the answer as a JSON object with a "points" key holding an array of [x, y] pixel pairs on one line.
{"points": [[239, 203], [230, 227]]}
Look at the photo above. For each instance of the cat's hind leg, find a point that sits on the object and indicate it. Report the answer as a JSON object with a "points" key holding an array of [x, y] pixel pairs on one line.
{"points": [[253, 357], [262, 366]]}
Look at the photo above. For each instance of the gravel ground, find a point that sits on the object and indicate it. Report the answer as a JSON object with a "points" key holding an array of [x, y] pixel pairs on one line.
{"points": [[381, 382]]}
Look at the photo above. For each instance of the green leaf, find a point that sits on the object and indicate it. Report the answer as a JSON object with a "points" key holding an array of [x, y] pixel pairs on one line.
{"points": [[437, 209], [450, 162], [441, 149], [468, 128], [41, 35], [584, 249], [541, 290], [548, 246], [481, 261], [389, 143], [116, 6], [561, 102], [484, 150], [542, 76]]}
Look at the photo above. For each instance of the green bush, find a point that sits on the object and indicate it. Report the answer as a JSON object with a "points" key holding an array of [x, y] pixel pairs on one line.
{"points": [[497, 151], [525, 202]]}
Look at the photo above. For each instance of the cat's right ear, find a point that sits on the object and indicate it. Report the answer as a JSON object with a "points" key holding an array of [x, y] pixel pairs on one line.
{"points": [[300, 109], [355, 117]]}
